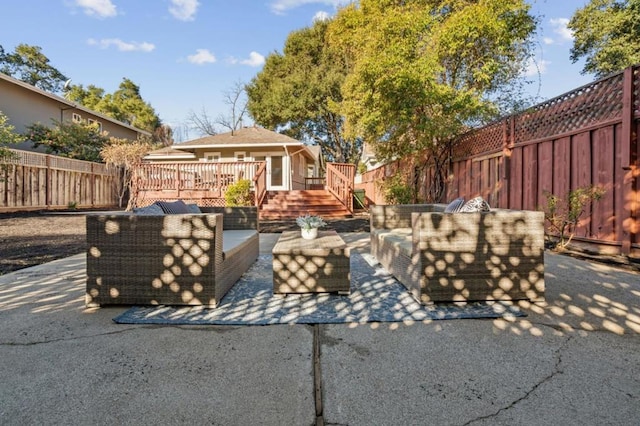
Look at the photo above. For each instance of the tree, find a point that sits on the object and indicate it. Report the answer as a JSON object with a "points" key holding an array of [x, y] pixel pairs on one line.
{"points": [[423, 72], [29, 64], [300, 91], [607, 34], [124, 155], [7, 137], [235, 98], [125, 104], [80, 141]]}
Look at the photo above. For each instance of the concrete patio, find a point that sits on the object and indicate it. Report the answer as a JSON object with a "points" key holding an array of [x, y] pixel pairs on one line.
{"points": [[573, 360]]}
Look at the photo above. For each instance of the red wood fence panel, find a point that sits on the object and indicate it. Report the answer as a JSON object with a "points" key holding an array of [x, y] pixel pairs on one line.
{"points": [[583, 137]]}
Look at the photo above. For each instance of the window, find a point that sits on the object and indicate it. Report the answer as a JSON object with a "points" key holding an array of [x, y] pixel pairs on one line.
{"points": [[92, 121], [213, 157], [240, 155], [76, 118]]}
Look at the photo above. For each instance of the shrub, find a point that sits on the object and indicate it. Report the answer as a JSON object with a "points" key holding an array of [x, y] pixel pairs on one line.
{"points": [[563, 215], [396, 191], [239, 194]]}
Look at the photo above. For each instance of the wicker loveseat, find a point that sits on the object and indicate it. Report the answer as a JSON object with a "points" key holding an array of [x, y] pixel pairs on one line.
{"points": [[445, 257], [170, 259]]}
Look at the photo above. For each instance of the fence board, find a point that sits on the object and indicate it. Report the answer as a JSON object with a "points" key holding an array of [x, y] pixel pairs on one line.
{"points": [[530, 177], [515, 195]]}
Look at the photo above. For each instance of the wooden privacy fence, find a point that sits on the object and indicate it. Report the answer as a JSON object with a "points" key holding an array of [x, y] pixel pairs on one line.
{"points": [[584, 137], [48, 182]]}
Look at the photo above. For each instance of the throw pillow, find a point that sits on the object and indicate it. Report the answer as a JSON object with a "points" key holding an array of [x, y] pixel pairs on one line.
{"points": [[455, 205], [193, 208], [177, 207], [477, 204], [151, 210]]}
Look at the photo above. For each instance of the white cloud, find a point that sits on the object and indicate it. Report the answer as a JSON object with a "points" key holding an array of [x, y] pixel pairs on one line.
{"points": [[547, 40], [201, 57], [122, 46], [98, 8], [320, 16], [536, 67], [184, 10], [559, 26], [281, 6], [255, 60]]}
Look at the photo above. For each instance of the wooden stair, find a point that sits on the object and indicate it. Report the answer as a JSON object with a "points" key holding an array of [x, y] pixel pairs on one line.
{"points": [[281, 205]]}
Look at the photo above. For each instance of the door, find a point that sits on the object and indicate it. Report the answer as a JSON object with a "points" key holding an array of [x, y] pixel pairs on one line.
{"points": [[276, 166]]}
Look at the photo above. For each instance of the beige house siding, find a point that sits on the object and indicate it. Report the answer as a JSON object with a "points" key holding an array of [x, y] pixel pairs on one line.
{"points": [[24, 105]]}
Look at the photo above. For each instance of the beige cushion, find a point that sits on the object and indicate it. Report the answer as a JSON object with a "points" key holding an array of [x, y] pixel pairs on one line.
{"points": [[232, 240]]}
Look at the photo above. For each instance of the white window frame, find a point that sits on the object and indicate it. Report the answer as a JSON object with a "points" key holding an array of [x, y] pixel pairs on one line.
{"points": [[212, 157], [240, 156], [76, 118]]}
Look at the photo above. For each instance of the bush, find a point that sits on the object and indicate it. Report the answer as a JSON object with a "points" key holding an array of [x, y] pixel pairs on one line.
{"points": [[239, 194], [563, 215], [396, 191]]}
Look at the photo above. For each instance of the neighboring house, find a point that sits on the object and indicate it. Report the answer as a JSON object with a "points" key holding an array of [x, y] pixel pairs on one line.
{"points": [[25, 104], [369, 158], [289, 162]]}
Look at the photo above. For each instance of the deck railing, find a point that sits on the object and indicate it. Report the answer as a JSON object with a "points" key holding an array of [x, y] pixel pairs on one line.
{"points": [[191, 180], [205, 183], [340, 183]]}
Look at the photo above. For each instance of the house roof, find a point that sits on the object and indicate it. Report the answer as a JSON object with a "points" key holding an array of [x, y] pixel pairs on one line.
{"points": [[69, 103], [169, 152], [247, 136]]}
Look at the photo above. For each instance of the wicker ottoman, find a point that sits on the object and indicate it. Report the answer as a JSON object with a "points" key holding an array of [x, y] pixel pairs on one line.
{"points": [[321, 265]]}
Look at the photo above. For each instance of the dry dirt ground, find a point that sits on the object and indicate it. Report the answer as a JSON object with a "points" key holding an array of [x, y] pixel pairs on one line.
{"points": [[28, 239]]}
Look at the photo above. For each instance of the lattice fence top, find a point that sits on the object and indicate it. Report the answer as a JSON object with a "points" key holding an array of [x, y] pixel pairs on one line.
{"points": [[36, 159], [488, 138], [590, 104], [585, 106]]}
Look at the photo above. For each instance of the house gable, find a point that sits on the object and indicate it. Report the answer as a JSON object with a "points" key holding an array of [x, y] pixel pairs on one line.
{"points": [[25, 104]]}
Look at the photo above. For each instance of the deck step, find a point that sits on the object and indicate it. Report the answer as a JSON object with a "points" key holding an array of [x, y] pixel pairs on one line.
{"points": [[281, 205]]}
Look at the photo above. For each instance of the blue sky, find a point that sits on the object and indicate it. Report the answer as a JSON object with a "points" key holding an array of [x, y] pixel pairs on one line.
{"points": [[184, 54]]}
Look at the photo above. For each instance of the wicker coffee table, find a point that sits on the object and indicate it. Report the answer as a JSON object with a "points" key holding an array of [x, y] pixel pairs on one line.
{"points": [[321, 265]]}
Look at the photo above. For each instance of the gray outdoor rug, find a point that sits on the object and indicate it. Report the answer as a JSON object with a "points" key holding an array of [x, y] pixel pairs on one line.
{"points": [[375, 297]]}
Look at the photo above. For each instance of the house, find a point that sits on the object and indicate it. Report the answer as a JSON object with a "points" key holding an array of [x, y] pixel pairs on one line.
{"points": [[285, 176], [25, 104], [290, 164]]}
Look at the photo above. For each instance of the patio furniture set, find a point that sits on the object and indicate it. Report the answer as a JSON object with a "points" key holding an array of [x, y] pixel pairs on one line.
{"points": [[166, 255]]}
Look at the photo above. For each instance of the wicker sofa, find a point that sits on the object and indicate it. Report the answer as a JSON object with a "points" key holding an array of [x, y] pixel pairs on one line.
{"points": [[171, 259], [451, 257]]}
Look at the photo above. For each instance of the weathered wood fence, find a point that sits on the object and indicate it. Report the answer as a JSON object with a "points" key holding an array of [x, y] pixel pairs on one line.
{"points": [[48, 182], [584, 137]]}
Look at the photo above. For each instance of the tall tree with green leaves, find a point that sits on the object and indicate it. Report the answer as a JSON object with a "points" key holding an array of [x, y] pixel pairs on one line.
{"points": [[422, 72], [81, 141], [607, 35], [299, 90], [29, 64], [125, 104]]}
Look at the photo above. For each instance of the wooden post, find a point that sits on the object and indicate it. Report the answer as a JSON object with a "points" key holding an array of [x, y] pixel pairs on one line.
{"points": [[628, 153]]}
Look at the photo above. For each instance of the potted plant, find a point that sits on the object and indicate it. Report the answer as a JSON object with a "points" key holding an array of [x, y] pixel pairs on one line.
{"points": [[309, 225]]}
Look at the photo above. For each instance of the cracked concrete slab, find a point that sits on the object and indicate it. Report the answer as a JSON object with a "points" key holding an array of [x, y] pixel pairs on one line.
{"points": [[573, 360]]}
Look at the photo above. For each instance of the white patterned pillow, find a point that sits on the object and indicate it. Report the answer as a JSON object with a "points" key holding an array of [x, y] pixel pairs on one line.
{"points": [[477, 204], [455, 205], [151, 210]]}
